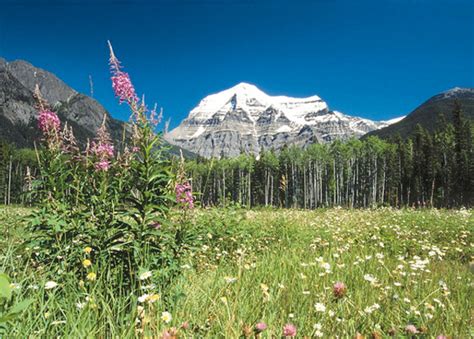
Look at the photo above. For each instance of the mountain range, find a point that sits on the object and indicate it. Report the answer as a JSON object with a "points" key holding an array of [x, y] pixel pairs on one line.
{"points": [[239, 119], [245, 119]]}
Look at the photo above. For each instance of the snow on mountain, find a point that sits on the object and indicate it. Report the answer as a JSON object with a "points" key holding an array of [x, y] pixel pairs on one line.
{"points": [[244, 118]]}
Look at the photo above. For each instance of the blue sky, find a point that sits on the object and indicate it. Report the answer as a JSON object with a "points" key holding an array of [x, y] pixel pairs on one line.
{"points": [[376, 59]]}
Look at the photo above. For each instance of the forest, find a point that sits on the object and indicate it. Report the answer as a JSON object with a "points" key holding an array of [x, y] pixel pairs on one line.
{"points": [[424, 170]]}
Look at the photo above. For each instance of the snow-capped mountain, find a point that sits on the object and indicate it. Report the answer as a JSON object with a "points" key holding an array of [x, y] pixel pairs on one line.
{"points": [[244, 118]]}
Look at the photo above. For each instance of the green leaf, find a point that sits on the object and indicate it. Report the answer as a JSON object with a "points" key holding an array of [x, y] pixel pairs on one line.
{"points": [[20, 307], [5, 289]]}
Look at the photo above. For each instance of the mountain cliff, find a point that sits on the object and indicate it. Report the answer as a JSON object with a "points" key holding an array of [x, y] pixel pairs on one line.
{"points": [[245, 119], [17, 105]]}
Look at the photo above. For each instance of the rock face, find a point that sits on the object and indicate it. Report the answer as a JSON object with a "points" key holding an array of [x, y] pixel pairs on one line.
{"points": [[17, 105], [427, 113], [245, 119]]}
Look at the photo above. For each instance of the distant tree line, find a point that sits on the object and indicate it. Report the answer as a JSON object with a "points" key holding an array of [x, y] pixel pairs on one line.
{"points": [[425, 170], [18, 168]]}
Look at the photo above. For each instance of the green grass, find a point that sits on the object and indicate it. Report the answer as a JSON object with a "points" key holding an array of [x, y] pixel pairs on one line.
{"points": [[274, 266]]}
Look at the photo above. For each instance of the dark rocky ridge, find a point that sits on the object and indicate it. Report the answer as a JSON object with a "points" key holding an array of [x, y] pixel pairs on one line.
{"points": [[17, 105], [427, 113]]}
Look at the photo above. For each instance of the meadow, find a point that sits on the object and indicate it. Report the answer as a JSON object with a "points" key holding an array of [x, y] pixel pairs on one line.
{"points": [[267, 273]]}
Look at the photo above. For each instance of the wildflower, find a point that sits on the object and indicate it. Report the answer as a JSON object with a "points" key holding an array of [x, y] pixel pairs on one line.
{"points": [[339, 289], [48, 122], [441, 336], [166, 317], [371, 309], [121, 83], [91, 276], [184, 194], [289, 330], [153, 298], [411, 329], [86, 263], [88, 250], [230, 280], [320, 307], [145, 275], [50, 285], [184, 325], [143, 298], [260, 327], [102, 165], [80, 305]]}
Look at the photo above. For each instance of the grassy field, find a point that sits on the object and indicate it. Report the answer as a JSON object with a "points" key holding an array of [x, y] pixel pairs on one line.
{"points": [[398, 267]]}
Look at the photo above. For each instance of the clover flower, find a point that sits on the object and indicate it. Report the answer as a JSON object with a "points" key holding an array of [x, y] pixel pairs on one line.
{"points": [[260, 327], [411, 329], [289, 330], [339, 289]]}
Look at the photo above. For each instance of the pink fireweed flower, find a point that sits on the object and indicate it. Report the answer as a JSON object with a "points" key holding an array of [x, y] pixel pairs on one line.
{"points": [[102, 149], [411, 329], [103, 165], [339, 289], [121, 83], [289, 330], [48, 122], [184, 194], [260, 327]]}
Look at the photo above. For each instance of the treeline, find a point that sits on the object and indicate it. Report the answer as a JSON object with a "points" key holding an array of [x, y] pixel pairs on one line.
{"points": [[18, 168], [424, 170], [427, 169]]}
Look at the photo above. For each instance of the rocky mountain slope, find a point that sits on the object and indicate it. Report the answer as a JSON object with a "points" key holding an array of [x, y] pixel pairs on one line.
{"points": [[18, 112], [243, 118], [427, 113]]}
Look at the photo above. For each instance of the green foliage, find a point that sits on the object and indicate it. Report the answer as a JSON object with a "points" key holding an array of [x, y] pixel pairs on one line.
{"points": [[9, 310]]}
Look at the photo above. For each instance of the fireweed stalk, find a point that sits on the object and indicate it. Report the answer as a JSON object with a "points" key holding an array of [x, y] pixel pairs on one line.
{"points": [[148, 170]]}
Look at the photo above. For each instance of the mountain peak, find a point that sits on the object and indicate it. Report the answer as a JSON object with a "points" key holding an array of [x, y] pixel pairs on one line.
{"points": [[244, 118]]}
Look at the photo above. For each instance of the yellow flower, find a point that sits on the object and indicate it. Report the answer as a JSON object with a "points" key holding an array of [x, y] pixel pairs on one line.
{"points": [[88, 250], [91, 276], [86, 263], [154, 297]]}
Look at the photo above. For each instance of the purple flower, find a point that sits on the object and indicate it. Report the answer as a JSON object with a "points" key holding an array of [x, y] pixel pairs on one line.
{"points": [[102, 149], [102, 165], [184, 195], [289, 330], [260, 327], [411, 329], [121, 83], [339, 289], [48, 122]]}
